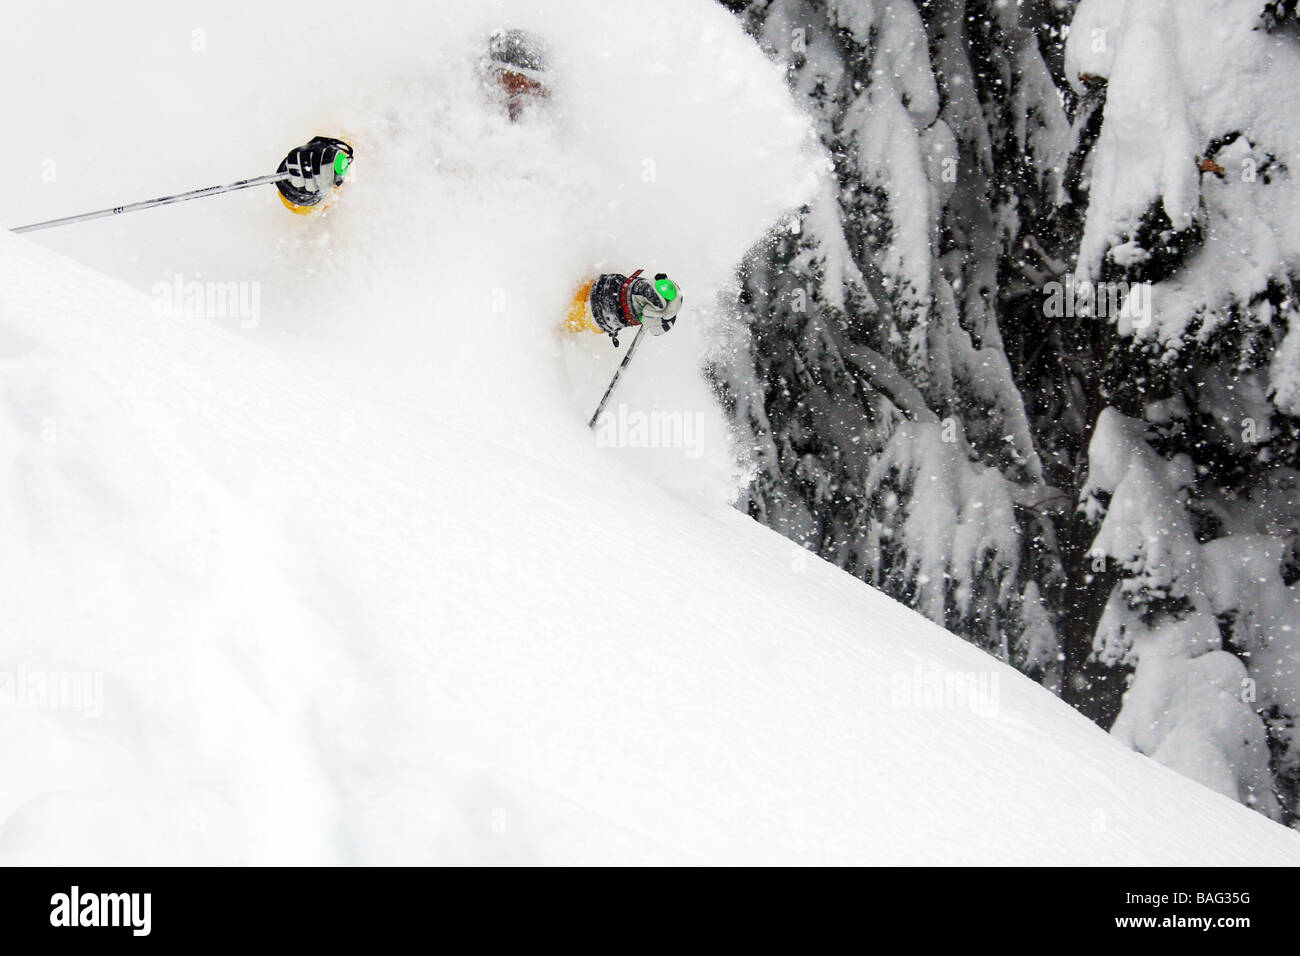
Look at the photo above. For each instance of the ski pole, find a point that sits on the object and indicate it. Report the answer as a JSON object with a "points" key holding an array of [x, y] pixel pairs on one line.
{"points": [[150, 203], [631, 350]]}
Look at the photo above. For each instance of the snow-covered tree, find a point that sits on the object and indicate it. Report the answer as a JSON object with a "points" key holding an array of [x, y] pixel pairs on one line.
{"points": [[1190, 704], [1194, 470], [887, 431], [1054, 260]]}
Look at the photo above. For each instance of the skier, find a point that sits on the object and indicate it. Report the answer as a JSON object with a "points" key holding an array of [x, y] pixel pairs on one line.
{"points": [[316, 171], [516, 70], [611, 303]]}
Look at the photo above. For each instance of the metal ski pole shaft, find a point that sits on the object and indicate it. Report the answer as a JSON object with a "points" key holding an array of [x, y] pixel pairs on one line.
{"points": [[151, 203], [631, 350]]}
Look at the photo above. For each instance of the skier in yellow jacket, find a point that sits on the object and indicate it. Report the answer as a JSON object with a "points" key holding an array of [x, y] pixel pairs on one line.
{"points": [[315, 171], [611, 303]]}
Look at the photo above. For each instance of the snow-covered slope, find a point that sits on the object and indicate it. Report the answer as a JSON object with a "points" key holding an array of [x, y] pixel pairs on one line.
{"points": [[336, 630], [354, 583]]}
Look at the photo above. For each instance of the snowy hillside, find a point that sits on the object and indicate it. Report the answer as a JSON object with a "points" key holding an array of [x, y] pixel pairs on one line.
{"points": [[338, 630], [344, 578]]}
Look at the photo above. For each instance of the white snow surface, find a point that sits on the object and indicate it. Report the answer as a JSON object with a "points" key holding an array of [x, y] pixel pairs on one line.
{"points": [[354, 583]]}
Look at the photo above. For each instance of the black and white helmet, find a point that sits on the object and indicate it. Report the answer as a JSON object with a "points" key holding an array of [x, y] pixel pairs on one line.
{"points": [[619, 302], [314, 170], [520, 51]]}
